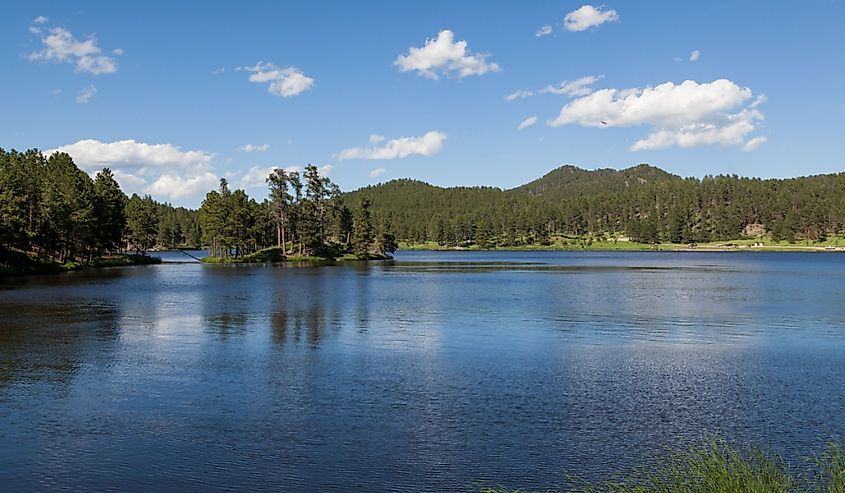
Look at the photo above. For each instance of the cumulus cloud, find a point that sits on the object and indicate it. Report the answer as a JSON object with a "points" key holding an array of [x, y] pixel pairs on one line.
{"points": [[253, 148], [284, 82], [178, 187], [684, 115], [59, 45], [574, 88], [93, 153], [40, 20], [695, 55], [256, 177], [531, 120], [754, 143], [86, 94], [376, 138], [427, 145], [377, 172], [163, 170], [443, 56], [588, 16], [544, 31], [117, 51]]}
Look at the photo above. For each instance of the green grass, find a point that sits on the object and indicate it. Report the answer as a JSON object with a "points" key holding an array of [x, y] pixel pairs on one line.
{"points": [[714, 466], [587, 243], [123, 260]]}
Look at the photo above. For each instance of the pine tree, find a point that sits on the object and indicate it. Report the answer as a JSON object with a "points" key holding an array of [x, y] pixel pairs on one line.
{"points": [[362, 229]]}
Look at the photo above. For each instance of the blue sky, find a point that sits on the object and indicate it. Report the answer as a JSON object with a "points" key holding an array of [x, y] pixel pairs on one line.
{"points": [[370, 91]]}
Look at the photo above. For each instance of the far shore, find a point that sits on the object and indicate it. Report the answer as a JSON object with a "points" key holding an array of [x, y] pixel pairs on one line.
{"points": [[631, 246]]}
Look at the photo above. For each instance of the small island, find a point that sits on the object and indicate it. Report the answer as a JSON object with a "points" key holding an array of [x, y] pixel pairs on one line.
{"points": [[303, 215]]}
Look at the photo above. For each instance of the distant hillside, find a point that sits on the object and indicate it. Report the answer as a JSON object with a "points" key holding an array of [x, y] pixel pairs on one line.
{"points": [[570, 181], [643, 202]]}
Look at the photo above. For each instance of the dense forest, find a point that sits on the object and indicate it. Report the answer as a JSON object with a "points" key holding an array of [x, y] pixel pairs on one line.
{"points": [[643, 203], [55, 212]]}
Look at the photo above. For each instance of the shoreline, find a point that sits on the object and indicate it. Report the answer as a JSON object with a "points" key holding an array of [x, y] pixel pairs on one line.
{"points": [[34, 268], [274, 255], [630, 247]]}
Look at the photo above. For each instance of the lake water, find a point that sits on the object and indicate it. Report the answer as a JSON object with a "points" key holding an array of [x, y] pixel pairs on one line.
{"points": [[434, 372]]}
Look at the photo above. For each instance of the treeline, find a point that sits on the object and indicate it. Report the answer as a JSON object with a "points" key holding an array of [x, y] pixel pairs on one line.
{"points": [[643, 202], [54, 210], [303, 216]]}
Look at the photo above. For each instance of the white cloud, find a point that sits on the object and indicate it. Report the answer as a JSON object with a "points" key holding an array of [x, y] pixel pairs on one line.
{"points": [[427, 145], [56, 92], [695, 55], [519, 95], [128, 181], [218, 71], [376, 138], [117, 51], [61, 46], [253, 148], [588, 16], [284, 82], [93, 153], [86, 94], [531, 120], [377, 172], [325, 170], [443, 56], [256, 177], [754, 143], [40, 19], [721, 129], [574, 88], [163, 170], [544, 31], [178, 187], [684, 115]]}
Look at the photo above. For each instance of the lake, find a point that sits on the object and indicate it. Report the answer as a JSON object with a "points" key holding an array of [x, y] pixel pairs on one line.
{"points": [[438, 371]]}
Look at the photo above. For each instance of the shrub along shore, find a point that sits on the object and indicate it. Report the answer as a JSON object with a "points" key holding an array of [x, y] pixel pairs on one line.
{"points": [[17, 263], [275, 255], [714, 466]]}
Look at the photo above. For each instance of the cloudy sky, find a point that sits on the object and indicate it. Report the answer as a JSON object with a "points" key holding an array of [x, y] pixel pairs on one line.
{"points": [[173, 96]]}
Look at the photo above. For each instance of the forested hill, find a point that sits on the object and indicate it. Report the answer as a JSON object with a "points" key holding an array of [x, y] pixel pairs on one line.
{"points": [[643, 202], [570, 181]]}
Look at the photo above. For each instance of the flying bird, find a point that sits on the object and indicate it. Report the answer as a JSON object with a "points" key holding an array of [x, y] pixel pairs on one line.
{"points": [[603, 122]]}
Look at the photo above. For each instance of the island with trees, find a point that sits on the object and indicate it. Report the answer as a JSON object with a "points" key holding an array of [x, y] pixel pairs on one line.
{"points": [[304, 218]]}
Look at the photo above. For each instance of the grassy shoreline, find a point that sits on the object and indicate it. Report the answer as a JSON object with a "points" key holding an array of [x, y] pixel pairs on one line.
{"points": [[739, 245], [714, 466]]}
